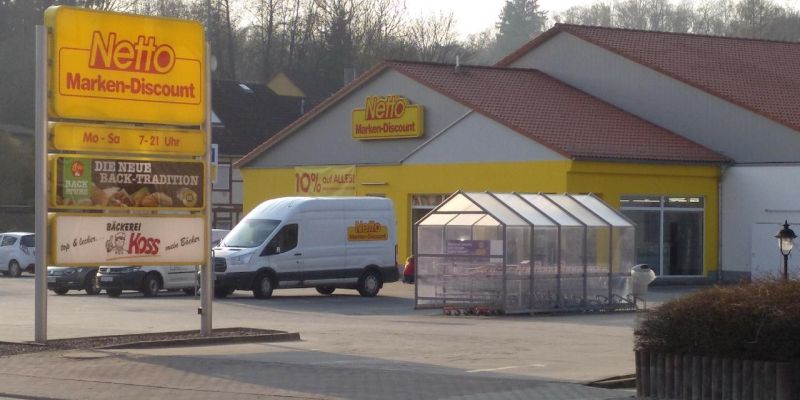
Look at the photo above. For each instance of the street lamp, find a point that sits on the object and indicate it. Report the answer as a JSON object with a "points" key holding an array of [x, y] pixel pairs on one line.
{"points": [[785, 237]]}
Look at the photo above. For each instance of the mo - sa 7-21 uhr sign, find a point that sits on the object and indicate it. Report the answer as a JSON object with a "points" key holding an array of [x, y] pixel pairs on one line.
{"points": [[128, 68]]}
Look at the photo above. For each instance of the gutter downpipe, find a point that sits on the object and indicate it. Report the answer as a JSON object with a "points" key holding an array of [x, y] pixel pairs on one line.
{"points": [[723, 169]]}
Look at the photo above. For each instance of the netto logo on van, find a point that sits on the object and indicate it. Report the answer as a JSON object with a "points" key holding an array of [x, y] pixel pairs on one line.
{"points": [[363, 231]]}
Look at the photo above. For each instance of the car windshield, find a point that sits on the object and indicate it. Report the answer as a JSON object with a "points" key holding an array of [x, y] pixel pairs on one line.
{"points": [[250, 232], [28, 241]]}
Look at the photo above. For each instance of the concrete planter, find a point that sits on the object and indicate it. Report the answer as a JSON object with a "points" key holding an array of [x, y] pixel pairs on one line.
{"points": [[691, 377]]}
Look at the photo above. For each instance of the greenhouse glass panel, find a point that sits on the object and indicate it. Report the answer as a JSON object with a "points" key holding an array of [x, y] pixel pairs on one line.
{"points": [[527, 211], [430, 240], [466, 219], [437, 219], [601, 209], [545, 268], [553, 211], [497, 209], [459, 203], [577, 210], [518, 268], [572, 267]]}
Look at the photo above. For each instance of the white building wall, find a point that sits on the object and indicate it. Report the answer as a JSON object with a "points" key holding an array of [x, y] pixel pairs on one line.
{"points": [[724, 127], [476, 138], [755, 202]]}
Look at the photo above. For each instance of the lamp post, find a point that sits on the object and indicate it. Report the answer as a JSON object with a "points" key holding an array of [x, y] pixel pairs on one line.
{"points": [[785, 243]]}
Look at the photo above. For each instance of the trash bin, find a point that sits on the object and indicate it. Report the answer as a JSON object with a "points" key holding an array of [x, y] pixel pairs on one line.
{"points": [[641, 275]]}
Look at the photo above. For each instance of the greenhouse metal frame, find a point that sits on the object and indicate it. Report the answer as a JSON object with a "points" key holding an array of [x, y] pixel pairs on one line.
{"points": [[522, 253]]}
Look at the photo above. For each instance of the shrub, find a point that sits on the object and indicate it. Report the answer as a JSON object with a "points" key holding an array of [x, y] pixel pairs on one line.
{"points": [[759, 321]]}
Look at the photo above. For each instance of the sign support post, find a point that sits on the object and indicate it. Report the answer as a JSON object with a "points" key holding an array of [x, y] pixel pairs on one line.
{"points": [[207, 269], [40, 183]]}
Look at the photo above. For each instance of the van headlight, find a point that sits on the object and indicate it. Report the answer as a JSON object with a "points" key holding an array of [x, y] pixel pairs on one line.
{"points": [[241, 258]]}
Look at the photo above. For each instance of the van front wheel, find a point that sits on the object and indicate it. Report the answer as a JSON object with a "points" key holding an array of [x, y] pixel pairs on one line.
{"points": [[263, 286], [369, 284]]}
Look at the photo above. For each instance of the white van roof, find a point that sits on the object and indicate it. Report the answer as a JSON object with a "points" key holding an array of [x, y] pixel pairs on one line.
{"points": [[283, 207]]}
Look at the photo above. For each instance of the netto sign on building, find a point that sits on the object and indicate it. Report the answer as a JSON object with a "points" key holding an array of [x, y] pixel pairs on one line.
{"points": [[390, 117], [118, 67]]}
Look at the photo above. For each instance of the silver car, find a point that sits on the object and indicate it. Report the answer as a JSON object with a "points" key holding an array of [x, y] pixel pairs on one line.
{"points": [[17, 253]]}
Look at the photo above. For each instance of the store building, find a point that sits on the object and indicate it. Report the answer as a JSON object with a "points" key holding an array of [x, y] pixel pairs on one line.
{"points": [[416, 132], [739, 97], [695, 138]]}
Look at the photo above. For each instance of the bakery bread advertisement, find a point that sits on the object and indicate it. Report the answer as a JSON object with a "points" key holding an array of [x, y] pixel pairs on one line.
{"points": [[87, 182]]}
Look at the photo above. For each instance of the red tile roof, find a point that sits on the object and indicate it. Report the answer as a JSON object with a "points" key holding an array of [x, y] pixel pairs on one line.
{"points": [[558, 116], [759, 75]]}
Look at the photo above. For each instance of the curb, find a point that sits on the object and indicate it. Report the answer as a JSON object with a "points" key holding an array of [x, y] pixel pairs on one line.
{"points": [[615, 382], [203, 341]]}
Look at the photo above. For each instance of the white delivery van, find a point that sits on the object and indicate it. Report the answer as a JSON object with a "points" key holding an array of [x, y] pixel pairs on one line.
{"points": [[321, 242]]}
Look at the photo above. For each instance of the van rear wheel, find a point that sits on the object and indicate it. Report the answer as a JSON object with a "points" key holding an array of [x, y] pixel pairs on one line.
{"points": [[325, 289], [369, 284], [263, 286]]}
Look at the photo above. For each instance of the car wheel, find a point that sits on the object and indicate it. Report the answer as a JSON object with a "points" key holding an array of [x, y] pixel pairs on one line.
{"points": [[189, 291], [60, 291], [221, 293], [263, 286], [114, 292], [13, 269], [151, 285], [369, 284], [325, 289], [90, 284]]}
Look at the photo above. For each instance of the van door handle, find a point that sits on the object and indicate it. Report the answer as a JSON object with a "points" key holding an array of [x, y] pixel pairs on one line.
{"points": [[298, 254]]}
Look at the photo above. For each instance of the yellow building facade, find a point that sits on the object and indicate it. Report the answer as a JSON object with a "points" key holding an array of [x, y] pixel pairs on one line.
{"points": [[609, 181]]}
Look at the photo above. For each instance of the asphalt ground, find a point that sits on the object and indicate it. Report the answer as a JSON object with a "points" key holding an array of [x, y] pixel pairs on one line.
{"points": [[348, 343]]}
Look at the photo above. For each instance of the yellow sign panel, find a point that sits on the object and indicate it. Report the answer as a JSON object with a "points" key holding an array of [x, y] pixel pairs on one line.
{"points": [[127, 139], [367, 231], [390, 117], [325, 181], [121, 67]]}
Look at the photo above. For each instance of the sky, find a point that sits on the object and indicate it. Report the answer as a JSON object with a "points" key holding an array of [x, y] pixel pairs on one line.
{"points": [[474, 16]]}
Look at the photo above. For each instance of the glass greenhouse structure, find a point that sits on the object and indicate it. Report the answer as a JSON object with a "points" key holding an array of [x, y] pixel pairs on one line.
{"points": [[521, 253]]}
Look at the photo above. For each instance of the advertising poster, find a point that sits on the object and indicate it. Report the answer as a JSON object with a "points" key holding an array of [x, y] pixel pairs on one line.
{"points": [[468, 247], [83, 182], [105, 239], [325, 181]]}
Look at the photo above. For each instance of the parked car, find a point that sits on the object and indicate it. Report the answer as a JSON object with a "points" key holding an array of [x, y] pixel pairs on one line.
{"points": [[324, 243], [63, 279], [150, 279], [17, 253]]}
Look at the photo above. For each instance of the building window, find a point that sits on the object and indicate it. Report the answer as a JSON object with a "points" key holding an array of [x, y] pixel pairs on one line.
{"points": [[669, 232]]}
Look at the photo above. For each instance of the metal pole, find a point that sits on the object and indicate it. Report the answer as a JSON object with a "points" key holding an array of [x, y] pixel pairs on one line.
{"points": [[40, 183], [207, 272], [785, 267]]}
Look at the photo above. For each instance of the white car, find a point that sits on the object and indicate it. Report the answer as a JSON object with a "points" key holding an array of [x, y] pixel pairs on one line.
{"points": [[151, 279], [17, 253]]}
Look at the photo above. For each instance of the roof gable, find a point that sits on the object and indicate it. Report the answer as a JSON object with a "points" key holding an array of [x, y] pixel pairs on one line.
{"points": [[556, 115], [759, 75]]}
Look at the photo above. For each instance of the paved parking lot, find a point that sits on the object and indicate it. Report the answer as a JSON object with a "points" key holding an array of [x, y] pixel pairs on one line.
{"points": [[382, 335]]}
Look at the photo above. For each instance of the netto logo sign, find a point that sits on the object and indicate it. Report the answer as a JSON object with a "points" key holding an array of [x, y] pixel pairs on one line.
{"points": [[144, 55], [388, 117]]}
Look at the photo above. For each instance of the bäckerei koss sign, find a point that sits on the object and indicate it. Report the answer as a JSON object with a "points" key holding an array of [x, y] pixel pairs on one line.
{"points": [[108, 239], [120, 67], [389, 117]]}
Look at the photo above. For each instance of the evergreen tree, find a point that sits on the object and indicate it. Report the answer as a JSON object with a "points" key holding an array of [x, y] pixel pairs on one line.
{"points": [[520, 21]]}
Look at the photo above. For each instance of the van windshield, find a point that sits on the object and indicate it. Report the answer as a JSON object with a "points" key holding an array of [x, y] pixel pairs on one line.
{"points": [[250, 232]]}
